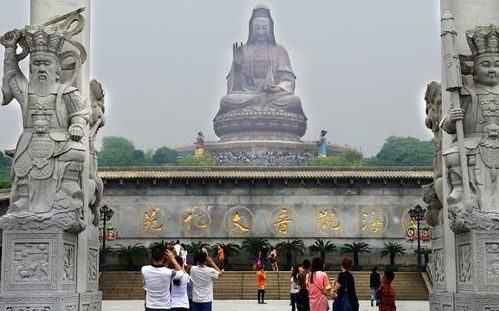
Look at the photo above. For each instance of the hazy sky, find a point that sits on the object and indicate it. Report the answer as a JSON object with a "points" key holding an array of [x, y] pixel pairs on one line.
{"points": [[362, 66]]}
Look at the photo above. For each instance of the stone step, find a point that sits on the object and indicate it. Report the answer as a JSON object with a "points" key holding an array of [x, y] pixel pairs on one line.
{"points": [[242, 285]]}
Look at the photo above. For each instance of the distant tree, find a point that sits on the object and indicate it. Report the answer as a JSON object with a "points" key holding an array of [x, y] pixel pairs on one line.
{"points": [[163, 244], [348, 158], [5, 184], [392, 250], [206, 160], [322, 247], [164, 155], [117, 142], [117, 151], [195, 247], [404, 151], [254, 245], [5, 161], [425, 251], [131, 256], [355, 249], [290, 248]]}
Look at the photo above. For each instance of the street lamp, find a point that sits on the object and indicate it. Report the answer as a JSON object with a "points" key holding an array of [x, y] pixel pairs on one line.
{"points": [[417, 214], [105, 215]]}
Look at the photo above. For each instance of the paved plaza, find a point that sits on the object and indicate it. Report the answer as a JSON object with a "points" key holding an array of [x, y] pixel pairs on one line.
{"points": [[250, 305]]}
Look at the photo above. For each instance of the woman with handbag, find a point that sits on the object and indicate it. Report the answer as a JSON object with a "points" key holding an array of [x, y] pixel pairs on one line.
{"points": [[346, 297], [318, 286]]}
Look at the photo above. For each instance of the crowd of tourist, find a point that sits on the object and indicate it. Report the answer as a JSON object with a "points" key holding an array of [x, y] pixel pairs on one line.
{"points": [[171, 284], [310, 286], [269, 158]]}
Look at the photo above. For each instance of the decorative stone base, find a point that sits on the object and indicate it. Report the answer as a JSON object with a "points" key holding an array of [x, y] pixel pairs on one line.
{"points": [[477, 260], [464, 302], [39, 272], [256, 125], [61, 302], [38, 262]]}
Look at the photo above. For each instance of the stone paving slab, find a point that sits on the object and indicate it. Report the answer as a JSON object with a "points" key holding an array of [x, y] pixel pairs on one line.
{"points": [[250, 305]]}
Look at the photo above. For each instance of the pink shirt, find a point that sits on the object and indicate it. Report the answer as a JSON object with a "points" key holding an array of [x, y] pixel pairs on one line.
{"points": [[318, 300]]}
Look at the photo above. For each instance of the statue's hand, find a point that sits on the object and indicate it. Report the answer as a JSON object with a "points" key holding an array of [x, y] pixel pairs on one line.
{"points": [[75, 132], [11, 38], [237, 52], [456, 114], [269, 88]]}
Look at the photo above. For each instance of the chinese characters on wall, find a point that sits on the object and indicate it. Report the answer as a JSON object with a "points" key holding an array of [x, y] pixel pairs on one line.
{"points": [[277, 220]]}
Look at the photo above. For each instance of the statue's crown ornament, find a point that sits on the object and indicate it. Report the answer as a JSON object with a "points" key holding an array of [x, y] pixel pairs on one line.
{"points": [[48, 39], [483, 40]]}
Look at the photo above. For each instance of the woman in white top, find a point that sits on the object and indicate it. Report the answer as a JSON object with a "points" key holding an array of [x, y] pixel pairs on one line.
{"points": [[180, 300], [295, 288]]}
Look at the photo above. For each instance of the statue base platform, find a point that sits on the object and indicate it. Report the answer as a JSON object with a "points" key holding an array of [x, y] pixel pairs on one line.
{"points": [[262, 147], [242, 125], [477, 267], [40, 268]]}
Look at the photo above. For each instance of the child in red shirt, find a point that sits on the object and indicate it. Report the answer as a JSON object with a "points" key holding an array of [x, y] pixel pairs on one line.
{"points": [[386, 293]]}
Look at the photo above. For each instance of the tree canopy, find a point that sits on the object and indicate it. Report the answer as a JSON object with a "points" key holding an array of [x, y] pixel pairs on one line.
{"points": [[348, 158], [119, 151], [5, 163], [404, 151]]}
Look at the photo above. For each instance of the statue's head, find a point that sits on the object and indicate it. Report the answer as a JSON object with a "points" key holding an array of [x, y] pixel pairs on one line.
{"points": [[484, 44], [261, 26], [45, 45], [486, 69], [44, 67]]}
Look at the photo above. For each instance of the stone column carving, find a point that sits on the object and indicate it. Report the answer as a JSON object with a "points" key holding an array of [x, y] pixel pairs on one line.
{"points": [[49, 206], [466, 244]]}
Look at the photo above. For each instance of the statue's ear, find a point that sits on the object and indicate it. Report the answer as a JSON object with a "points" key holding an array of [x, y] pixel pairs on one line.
{"points": [[467, 67]]}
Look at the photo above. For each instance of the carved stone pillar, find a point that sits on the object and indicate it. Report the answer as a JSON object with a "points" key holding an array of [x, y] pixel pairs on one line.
{"points": [[465, 253], [50, 246]]}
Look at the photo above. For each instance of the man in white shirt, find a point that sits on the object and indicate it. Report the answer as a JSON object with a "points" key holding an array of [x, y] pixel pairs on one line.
{"points": [[202, 278], [157, 279]]}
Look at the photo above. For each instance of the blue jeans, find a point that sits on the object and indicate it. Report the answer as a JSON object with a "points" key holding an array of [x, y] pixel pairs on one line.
{"points": [[374, 291], [201, 306]]}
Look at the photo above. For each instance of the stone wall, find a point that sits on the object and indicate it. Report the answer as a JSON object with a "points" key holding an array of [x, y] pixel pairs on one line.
{"points": [[227, 209]]}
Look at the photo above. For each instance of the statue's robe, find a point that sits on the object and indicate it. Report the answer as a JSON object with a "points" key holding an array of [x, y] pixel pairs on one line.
{"points": [[269, 64]]}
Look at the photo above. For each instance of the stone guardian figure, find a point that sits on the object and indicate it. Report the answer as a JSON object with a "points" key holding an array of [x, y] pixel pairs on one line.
{"points": [[49, 156], [479, 113]]}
